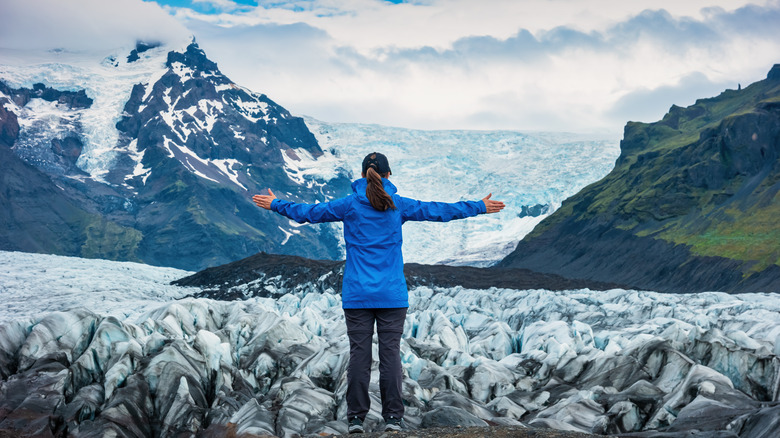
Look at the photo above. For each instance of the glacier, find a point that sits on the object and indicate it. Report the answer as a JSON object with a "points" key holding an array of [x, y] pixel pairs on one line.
{"points": [[33, 284], [106, 78], [612, 362], [522, 169]]}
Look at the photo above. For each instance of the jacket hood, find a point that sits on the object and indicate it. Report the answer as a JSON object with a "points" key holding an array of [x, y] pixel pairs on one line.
{"points": [[359, 188]]}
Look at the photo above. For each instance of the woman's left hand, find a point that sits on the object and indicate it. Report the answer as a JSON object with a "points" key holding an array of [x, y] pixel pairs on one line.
{"points": [[492, 206], [264, 201]]}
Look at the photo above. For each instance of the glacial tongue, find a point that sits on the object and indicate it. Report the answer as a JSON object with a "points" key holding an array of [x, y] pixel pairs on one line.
{"points": [[614, 362]]}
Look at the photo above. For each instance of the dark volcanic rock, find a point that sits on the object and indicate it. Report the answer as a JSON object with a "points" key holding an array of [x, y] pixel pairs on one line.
{"points": [[534, 210], [69, 148], [450, 416], [273, 275], [485, 278], [252, 276], [21, 96], [9, 127], [774, 73], [140, 47], [689, 207]]}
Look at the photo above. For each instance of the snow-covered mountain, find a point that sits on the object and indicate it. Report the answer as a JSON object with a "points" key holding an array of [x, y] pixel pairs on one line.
{"points": [[151, 154], [156, 154], [613, 362]]}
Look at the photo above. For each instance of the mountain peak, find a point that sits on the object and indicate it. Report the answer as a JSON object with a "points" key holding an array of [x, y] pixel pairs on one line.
{"points": [[774, 73], [193, 57]]}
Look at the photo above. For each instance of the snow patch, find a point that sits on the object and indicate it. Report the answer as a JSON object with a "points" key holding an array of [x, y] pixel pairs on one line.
{"points": [[230, 167], [305, 170], [187, 157], [184, 72], [254, 110], [289, 233], [137, 156], [237, 134]]}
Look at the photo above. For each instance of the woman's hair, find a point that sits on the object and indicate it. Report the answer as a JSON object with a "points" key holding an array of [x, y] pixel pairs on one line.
{"points": [[376, 193]]}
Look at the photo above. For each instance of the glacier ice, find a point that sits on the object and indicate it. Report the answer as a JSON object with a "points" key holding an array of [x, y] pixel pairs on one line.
{"points": [[120, 289], [521, 169], [610, 362], [108, 84]]}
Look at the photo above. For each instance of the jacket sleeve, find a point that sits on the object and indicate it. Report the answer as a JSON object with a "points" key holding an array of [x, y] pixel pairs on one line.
{"points": [[314, 213], [413, 210]]}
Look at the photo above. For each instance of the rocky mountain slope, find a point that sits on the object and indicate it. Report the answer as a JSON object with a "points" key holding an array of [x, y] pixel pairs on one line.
{"points": [[171, 183], [691, 205]]}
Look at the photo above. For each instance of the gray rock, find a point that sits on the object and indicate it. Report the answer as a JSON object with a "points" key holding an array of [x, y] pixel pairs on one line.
{"points": [[450, 416]]}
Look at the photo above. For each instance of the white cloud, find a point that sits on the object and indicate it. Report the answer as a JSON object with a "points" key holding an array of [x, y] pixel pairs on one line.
{"points": [[84, 25], [440, 64], [369, 24], [538, 64]]}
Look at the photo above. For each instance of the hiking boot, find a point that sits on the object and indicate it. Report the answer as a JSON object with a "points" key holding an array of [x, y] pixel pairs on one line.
{"points": [[356, 425], [393, 424]]}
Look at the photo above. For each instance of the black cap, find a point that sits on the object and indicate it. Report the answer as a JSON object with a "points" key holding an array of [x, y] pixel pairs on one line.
{"points": [[377, 161]]}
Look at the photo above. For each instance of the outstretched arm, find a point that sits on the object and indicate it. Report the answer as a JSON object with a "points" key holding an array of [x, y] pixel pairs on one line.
{"points": [[413, 210], [302, 213]]}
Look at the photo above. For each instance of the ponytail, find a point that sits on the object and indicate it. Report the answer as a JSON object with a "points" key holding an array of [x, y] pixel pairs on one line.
{"points": [[376, 193]]}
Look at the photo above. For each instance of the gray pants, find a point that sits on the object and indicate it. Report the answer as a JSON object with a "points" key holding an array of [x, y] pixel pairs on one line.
{"points": [[389, 328]]}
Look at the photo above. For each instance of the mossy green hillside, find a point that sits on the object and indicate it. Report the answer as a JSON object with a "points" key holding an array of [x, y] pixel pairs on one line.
{"points": [[752, 235], [705, 176], [108, 240]]}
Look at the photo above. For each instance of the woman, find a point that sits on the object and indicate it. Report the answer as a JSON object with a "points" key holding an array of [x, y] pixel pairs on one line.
{"points": [[374, 287]]}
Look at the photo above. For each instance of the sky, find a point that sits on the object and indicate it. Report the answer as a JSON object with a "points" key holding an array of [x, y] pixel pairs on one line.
{"points": [[531, 65]]}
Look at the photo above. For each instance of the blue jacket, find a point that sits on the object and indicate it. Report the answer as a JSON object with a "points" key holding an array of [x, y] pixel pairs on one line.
{"points": [[374, 274]]}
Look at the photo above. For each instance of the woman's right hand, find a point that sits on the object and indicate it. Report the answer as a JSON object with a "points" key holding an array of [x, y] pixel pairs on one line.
{"points": [[264, 201], [492, 206]]}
